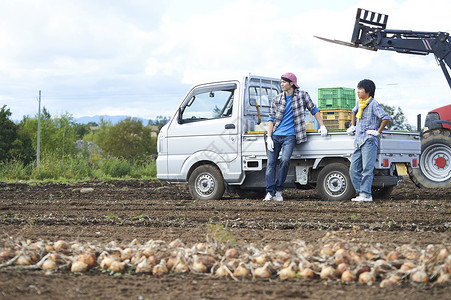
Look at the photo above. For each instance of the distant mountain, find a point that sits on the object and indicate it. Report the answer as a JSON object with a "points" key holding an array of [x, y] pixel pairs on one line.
{"points": [[113, 119]]}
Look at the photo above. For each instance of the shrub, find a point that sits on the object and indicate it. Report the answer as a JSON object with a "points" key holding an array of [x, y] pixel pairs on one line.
{"points": [[116, 167], [15, 170]]}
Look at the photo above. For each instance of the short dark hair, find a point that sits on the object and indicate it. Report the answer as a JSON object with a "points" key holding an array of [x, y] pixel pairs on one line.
{"points": [[368, 85]]}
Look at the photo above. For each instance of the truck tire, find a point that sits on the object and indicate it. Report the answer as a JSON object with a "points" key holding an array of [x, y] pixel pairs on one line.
{"points": [[206, 183], [334, 182], [435, 160]]}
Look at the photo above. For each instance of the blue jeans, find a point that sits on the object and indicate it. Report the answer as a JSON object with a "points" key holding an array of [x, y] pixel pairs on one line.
{"points": [[362, 166], [285, 143]]}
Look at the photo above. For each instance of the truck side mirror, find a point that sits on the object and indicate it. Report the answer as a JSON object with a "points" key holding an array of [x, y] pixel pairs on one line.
{"points": [[179, 116]]}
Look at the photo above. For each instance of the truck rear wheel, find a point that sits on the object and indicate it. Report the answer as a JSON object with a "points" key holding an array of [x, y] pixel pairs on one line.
{"points": [[206, 183], [334, 182], [435, 161]]}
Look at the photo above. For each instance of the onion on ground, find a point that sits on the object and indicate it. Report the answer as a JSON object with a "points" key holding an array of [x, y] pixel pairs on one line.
{"points": [[262, 272], [367, 277], [328, 272], [78, 267], [348, 276]]}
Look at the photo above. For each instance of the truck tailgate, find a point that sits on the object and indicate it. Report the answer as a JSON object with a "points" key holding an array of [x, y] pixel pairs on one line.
{"points": [[400, 142]]}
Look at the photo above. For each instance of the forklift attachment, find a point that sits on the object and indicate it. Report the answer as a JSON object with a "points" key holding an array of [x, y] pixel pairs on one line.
{"points": [[362, 19], [353, 45]]}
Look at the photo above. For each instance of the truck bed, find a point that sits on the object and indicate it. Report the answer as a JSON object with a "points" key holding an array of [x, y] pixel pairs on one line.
{"points": [[336, 144]]}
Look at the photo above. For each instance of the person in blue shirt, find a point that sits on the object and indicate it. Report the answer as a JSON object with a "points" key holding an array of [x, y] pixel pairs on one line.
{"points": [[368, 121], [286, 127]]}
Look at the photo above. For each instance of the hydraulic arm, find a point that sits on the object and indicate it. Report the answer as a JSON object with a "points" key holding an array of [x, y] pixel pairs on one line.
{"points": [[370, 33]]}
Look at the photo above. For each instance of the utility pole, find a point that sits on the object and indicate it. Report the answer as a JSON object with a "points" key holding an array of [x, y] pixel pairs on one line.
{"points": [[38, 147]]}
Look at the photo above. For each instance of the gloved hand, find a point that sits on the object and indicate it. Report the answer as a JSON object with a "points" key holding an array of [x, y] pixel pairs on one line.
{"points": [[323, 130], [269, 144], [372, 132], [351, 130]]}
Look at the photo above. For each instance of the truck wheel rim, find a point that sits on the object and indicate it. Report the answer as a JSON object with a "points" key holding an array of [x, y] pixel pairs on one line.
{"points": [[435, 162], [205, 184], [335, 184]]}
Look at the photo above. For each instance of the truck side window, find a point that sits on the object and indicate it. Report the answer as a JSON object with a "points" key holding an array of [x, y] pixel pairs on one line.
{"points": [[209, 105]]}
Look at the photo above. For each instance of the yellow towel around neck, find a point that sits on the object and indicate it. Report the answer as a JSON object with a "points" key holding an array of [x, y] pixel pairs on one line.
{"points": [[362, 105]]}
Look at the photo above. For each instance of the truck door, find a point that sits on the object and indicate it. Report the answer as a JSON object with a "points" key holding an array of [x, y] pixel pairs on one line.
{"points": [[206, 129]]}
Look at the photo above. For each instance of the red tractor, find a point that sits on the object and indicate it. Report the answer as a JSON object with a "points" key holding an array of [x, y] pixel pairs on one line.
{"points": [[435, 160]]}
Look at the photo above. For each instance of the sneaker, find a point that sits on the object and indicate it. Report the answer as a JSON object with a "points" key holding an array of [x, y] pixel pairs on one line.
{"points": [[278, 196], [268, 197], [355, 199], [362, 199]]}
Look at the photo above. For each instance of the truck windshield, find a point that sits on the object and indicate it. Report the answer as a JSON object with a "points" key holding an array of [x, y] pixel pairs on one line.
{"points": [[209, 105]]}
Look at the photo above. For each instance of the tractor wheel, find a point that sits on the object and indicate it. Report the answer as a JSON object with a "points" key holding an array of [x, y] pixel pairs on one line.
{"points": [[435, 160]]}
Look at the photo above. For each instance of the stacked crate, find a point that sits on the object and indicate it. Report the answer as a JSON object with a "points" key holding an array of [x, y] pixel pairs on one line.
{"points": [[336, 106]]}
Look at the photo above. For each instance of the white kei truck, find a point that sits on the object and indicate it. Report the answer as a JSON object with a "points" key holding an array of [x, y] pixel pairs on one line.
{"points": [[215, 142]]}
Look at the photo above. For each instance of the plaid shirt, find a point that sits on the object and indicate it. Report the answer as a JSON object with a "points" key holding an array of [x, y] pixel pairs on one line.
{"points": [[299, 102], [371, 117]]}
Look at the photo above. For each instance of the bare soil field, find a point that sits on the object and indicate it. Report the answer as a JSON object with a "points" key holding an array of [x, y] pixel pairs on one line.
{"points": [[125, 214]]}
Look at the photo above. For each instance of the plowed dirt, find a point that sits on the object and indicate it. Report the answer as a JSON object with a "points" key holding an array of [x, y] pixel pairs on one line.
{"points": [[122, 211]]}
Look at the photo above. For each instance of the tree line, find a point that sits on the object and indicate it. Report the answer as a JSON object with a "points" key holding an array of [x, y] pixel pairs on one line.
{"points": [[127, 144], [129, 139]]}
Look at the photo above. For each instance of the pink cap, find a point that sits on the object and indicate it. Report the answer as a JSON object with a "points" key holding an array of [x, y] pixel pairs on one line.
{"points": [[290, 77]]}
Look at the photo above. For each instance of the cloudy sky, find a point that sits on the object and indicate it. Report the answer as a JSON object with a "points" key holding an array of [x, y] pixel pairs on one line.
{"points": [[140, 57]]}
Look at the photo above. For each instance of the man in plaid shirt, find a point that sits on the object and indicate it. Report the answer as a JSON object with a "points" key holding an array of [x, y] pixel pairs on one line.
{"points": [[286, 127], [366, 124]]}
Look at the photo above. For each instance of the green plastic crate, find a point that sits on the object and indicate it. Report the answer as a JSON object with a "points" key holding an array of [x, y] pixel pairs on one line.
{"points": [[336, 98]]}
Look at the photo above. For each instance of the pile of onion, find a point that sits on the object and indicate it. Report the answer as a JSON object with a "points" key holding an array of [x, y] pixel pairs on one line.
{"points": [[333, 259]]}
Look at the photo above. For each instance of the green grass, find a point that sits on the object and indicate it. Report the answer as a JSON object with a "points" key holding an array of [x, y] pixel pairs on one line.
{"points": [[76, 168], [355, 217]]}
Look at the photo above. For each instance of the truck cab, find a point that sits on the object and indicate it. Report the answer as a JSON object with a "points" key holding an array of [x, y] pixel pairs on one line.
{"points": [[215, 141], [206, 131]]}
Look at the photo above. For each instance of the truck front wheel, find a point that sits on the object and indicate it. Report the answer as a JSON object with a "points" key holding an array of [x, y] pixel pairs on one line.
{"points": [[334, 182], [206, 183], [435, 160]]}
